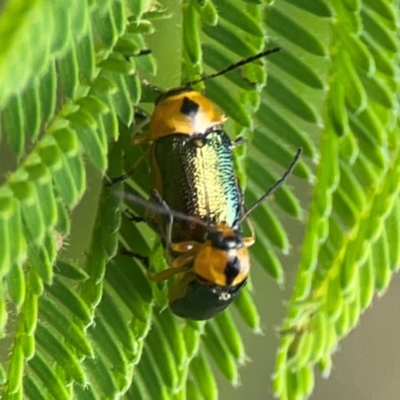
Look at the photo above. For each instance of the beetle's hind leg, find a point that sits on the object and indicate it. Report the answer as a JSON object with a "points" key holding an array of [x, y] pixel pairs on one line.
{"points": [[167, 236], [130, 173], [137, 137], [132, 217], [239, 141], [141, 120], [145, 260], [118, 179]]}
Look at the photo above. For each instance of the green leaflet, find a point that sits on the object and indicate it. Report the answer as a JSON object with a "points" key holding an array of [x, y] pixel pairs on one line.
{"points": [[294, 32], [205, 385], [318, 7], [342, 271], [16, 285], [69, 70]]}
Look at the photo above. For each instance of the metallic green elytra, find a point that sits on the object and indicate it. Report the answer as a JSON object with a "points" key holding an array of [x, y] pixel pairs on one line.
{"points": [[194, 175]]}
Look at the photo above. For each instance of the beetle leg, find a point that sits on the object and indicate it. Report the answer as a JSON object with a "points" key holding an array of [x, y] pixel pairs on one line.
{"points": [[143, 259], [117, 179], [142, 137], [238, 142], [140, 114], [249, 241], [124, 177], [156, 196], [179, 288], [184, 247], [167, 273], [143, 52], [183, 260], [161, 202], [152, 87], [132, 217]]}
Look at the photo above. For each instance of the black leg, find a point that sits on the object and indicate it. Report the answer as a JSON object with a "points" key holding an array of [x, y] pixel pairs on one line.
{"points": [[143, 52], [118, 179], [145, 260], [140, 114], [132, 217], [238, 142]]}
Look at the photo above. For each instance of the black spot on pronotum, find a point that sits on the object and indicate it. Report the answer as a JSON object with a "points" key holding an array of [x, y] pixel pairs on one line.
{"points": [[232, 270], [189, 108]]}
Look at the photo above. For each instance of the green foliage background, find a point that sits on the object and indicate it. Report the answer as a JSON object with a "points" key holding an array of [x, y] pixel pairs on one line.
{"points": [[90, 328]]}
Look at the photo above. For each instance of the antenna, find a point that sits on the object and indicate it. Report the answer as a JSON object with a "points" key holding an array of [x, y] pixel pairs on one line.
{"points": [[159, 209], [276, 185], [234, 66]]}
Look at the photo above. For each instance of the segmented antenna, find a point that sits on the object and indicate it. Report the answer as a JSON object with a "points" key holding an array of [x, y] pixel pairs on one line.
{"points": [[234, 66], [159, 209], [276, 185]]}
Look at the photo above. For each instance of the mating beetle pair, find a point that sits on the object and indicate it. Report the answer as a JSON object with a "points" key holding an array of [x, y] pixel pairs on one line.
{"points": [[199, 204]]}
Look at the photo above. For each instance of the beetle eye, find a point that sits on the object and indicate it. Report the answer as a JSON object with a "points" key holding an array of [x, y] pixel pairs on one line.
{"points": [[217, 239], [226, 243], [238, 239]]}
